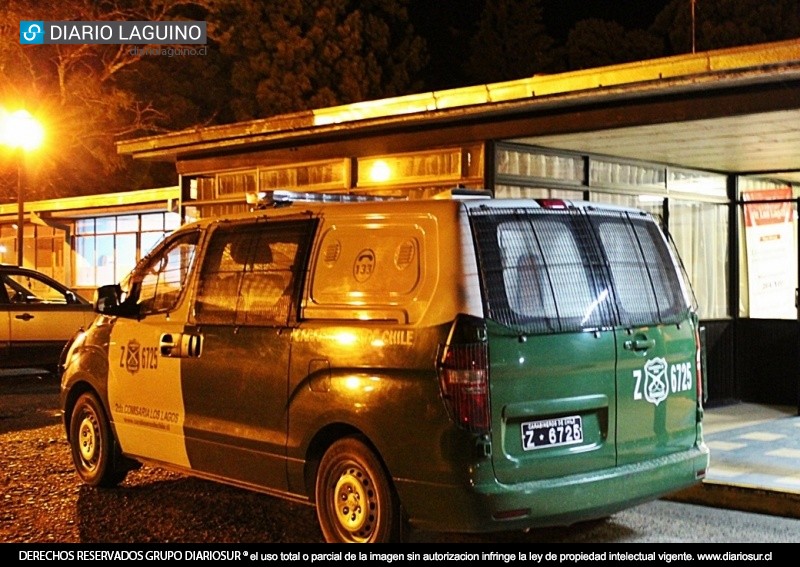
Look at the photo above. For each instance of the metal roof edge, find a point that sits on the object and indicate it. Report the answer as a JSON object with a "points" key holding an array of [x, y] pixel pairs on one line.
{"points": [[718, 62], [100, 200]]}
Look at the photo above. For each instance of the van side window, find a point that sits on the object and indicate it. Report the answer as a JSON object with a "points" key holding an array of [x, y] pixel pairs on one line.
{"points": [[162, 278], [249, 273]]}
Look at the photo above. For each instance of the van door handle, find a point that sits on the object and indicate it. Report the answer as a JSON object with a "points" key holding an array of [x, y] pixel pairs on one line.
{"points": [[640, 344], [180, 345]]}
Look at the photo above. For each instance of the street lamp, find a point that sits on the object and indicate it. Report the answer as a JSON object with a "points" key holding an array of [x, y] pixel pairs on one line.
{"points": [[22, 132]]}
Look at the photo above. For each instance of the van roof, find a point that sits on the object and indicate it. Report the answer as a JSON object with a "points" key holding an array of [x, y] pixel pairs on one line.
{"points": [[386, 206]]}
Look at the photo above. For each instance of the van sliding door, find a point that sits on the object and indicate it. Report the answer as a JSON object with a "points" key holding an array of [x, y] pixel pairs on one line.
{"points": [[235, 391]]}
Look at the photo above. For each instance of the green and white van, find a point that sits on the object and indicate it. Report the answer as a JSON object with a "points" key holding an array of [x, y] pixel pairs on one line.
{"points": [[465, 365]]}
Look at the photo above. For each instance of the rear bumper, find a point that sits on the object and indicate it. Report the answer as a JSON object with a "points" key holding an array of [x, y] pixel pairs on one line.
{"points": [[560, 501]]}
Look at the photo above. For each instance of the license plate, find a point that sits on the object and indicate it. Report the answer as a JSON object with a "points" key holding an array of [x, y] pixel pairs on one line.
{"points": [[552, 432]]}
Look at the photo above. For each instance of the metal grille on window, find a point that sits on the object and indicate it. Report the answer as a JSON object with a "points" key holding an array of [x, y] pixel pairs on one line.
{"points": [[248, 274], [220, 278], [539, 270], [638, 257]]}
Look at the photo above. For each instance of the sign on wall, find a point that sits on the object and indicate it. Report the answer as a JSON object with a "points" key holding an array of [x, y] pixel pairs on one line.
{"points": [[771, 248]]}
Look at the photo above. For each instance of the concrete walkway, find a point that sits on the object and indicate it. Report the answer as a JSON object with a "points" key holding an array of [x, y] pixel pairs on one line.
{"points": [[755, 460]]}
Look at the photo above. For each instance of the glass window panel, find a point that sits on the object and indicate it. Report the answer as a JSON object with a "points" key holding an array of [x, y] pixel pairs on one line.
{"points": [[7, 254], [125, 255], [30, 289], [768, 259], [619, 173], [236, 183], [653, 204], [516, 162], [85, 261], [172, 221], [153, 221], [519, 192], [638, 260], [106, 273], [247, 274], [435, 165], [105, 225], [44, 254], [697, 184], [700, 233], [535, 276], [84, 226], [128, 223], [149, 241]]}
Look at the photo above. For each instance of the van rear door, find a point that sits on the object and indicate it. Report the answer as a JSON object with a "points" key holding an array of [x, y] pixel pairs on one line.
{"points": [[656, 349], [550, 343]]}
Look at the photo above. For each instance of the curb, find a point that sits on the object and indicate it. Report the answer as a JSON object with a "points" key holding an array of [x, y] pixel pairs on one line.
{"points": [[743, 498]]}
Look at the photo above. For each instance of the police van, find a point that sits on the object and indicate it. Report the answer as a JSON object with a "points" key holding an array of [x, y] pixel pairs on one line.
{"points": [[461, 365]]}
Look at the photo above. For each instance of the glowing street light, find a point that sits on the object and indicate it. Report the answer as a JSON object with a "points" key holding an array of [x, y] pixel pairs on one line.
{"points": [[23, 133]]}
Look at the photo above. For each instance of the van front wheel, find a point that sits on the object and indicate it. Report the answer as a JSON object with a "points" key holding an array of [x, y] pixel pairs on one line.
{"points": [[92, 444], [356, 502]]}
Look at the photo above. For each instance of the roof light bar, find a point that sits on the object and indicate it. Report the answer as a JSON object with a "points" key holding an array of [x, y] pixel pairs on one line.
{"points": [[283, 197]]}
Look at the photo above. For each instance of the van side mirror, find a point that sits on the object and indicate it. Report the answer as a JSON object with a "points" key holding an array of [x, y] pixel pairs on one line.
{"points": [[108, 301], [71, 297], [107, 298]]}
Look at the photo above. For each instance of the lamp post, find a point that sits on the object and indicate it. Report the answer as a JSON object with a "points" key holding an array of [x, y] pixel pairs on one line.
{"points": [[23, 133]]}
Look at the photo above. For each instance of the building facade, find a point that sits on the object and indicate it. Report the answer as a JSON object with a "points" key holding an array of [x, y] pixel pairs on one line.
{"points": [[575, 135]]}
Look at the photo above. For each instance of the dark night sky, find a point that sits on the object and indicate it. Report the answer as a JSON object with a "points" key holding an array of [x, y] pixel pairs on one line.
{"points": [[447, 26]]}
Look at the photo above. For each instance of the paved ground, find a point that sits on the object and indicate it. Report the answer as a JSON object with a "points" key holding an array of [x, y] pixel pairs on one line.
{"points": [[755, 455], [755, 460]]}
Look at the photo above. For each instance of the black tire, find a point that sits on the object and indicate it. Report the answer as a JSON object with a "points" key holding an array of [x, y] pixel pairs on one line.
{"points": [[356, 502], [92, 444]]}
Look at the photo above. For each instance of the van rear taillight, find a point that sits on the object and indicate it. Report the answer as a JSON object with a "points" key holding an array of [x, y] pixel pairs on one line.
{"points": [[698, 364], [463, 368]]}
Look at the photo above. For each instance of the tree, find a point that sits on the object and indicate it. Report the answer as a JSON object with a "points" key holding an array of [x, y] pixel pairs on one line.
{"points": [[294, 55], [74, 90], [511, 43], [726, 23], [595, 43]]}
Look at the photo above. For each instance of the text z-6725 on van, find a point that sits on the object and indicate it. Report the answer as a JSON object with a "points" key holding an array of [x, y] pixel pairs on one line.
{"points": [[462, 365]]}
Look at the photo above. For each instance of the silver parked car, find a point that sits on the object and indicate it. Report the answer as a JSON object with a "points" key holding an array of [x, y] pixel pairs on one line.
{"points": [[38, 315]]}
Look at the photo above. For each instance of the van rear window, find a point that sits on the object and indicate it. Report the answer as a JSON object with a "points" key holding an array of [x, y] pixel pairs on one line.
{"points": [[537, 272], [547, 271], [645, 278]]}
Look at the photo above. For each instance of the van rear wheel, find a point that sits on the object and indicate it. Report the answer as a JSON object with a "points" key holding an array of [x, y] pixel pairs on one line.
{"points": [[92, 444], [356, 502]]}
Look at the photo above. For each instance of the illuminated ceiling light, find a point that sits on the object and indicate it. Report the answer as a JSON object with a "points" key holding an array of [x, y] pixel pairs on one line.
{"points": [[380, 171]]}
